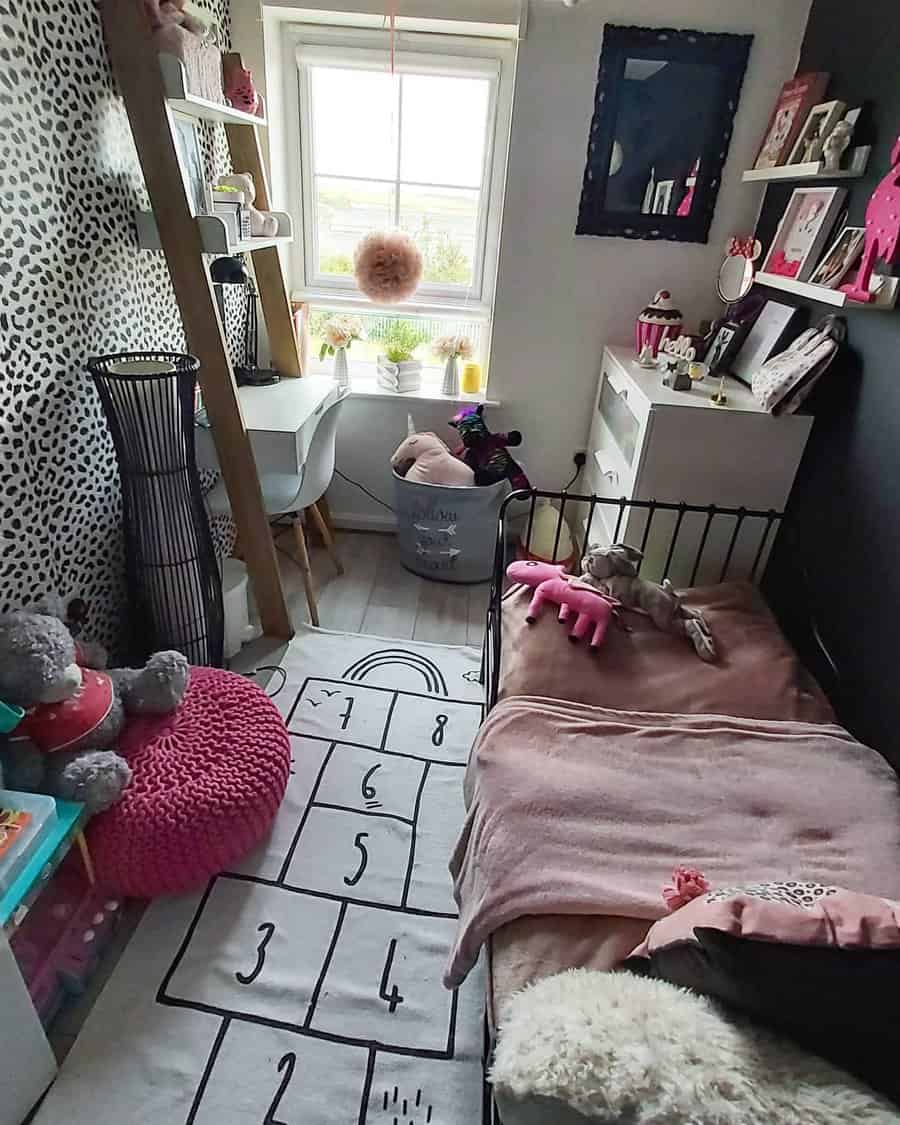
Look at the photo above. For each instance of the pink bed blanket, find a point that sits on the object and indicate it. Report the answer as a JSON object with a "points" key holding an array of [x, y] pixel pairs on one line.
{"points": [[584, 810]]}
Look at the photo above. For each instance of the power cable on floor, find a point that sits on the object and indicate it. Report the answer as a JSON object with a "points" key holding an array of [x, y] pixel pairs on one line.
{"points": [[363, 488]]}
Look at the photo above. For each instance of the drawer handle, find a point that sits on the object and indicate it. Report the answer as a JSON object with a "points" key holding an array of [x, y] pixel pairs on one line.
{"points": [[621, 391], [605, 471]]}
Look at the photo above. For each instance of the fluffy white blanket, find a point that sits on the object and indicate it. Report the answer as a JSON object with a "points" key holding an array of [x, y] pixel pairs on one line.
{"points": [[625, 1049]]}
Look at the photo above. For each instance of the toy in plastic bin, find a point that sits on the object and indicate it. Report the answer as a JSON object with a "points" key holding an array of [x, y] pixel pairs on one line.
{"points": [[551, 584], [543, 545]]}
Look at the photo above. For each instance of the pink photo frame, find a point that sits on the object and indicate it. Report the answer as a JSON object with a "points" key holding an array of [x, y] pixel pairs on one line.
{"points": [[803, 231]]}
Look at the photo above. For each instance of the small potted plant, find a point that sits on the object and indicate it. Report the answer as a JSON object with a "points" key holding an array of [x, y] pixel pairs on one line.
{"points": [[398, 370], [340, 331], [450, 349]]}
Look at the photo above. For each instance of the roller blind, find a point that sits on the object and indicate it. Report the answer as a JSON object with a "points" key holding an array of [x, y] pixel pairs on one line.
{"points": [[497, 18]]}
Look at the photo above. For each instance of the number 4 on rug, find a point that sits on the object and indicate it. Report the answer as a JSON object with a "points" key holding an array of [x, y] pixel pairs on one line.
{"points": [[392, 998]]}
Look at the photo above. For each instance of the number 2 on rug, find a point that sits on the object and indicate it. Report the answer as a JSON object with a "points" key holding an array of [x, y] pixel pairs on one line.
{"points": [[286, 1064]]}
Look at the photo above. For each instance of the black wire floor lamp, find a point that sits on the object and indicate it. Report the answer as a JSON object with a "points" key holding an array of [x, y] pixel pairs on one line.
{"points": [[174, 584]]}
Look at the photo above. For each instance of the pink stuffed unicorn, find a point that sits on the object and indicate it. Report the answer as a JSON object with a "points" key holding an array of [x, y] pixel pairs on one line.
{"points": [[550, 584]]}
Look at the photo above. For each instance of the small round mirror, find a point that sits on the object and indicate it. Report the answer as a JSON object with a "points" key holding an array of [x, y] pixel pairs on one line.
{"points": [[735, 278]]}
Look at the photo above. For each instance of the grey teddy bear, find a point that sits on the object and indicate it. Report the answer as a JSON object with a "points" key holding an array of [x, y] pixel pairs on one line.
{"points": [[613, 570], [74, 708]]}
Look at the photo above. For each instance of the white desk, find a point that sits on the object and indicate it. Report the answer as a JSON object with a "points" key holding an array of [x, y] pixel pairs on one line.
{"points": [[280, 421]]}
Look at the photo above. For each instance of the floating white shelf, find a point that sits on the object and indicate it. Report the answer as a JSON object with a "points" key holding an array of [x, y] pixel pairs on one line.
{"points": [[182, 100], [886, 299], [859, 160], [214, 234]]}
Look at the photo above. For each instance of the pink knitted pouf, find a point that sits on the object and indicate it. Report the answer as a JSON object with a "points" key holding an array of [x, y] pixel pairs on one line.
{"points": [[206, 785]]}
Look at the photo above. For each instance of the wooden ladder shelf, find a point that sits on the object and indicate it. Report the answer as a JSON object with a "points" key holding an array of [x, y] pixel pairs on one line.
{"points": [[136, 67]]}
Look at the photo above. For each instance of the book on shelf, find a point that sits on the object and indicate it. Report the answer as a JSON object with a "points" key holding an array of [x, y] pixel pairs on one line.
{"points": [[236, 218]]}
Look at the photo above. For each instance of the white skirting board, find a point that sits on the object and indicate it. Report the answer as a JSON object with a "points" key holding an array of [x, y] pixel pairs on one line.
{"points": [[357, 521]]}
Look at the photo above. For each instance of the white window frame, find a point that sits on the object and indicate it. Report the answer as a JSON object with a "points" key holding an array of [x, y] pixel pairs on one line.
{"points": [[417, 53]]}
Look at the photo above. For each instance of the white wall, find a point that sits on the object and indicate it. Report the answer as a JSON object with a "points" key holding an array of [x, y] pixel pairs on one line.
{"points": [[561, 298]]}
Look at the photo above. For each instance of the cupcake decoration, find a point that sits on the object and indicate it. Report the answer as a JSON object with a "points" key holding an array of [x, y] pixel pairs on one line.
{"points": [[658, 321]]}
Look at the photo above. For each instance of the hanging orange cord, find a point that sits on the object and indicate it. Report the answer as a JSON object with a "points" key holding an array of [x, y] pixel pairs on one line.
{"points": [[392, 20]]}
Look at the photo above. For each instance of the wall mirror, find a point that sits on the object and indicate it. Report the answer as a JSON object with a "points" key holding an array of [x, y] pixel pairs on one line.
{"points": [[663, 115]]}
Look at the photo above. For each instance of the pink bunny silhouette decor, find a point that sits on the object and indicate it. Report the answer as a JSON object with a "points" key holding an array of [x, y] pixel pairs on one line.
{"points": [[550, 583], [882, 231]]}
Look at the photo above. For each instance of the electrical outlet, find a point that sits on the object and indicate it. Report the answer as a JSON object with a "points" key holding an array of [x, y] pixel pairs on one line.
{"points": [[579, 458]]}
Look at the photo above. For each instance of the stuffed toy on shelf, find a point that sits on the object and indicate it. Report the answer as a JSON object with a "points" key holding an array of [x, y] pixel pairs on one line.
{"points": [[263, 224], [486, 453], [68, 709]]}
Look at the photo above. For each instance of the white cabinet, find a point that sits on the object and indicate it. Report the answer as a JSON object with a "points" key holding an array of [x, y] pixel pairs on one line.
{"points": [[648, 442], [27, 1065]]}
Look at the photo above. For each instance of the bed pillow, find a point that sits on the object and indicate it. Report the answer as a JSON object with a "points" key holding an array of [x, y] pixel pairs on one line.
{"points": [[792, 911], [818, 963]]}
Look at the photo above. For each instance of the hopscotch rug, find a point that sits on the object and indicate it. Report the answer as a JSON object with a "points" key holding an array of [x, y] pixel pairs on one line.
{"points": [[304, 986]]}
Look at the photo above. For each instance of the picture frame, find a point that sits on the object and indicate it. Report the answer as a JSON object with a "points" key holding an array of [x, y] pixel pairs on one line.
{"points": [[791, 110], [811, 138], [723, 346], [765, 339], [626, 158], [662, 197], [840, 257], [803, 231], [187, 146]]}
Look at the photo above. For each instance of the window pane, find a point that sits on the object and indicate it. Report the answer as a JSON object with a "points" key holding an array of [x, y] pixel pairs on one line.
{"points": [[354, 114], [444, 125], [444, 224], [345, 211]]}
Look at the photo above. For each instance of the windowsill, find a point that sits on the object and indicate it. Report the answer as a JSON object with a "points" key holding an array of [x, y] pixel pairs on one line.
{"points": [[368, 388], [364, 385]]}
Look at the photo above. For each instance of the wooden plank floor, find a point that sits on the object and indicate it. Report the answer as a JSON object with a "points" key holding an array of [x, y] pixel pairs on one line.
{"points": [[376, 596]]}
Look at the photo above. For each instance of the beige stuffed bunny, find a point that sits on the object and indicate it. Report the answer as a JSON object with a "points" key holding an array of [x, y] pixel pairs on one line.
{"points": [[263, 224], [613, 571]]}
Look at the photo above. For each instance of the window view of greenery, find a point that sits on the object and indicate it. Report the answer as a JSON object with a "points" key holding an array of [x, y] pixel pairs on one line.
{"points": [[443, 224], [424, 176], [396, 337]]}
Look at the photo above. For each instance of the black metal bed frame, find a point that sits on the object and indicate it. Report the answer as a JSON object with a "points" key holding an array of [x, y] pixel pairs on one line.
{"points": [[742, 518]]}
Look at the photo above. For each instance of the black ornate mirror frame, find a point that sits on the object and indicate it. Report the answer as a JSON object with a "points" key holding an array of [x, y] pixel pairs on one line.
{"points": [[729, 53]]}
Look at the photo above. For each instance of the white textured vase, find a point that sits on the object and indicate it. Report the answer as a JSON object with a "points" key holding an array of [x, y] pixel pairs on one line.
{"points": [[341, 371], [450, 386]]}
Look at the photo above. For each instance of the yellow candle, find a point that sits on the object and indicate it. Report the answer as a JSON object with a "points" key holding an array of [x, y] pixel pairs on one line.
{"points": [[471, 378]]}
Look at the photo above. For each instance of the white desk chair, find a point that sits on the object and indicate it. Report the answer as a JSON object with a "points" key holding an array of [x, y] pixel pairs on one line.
{"points": [[291, 493]]}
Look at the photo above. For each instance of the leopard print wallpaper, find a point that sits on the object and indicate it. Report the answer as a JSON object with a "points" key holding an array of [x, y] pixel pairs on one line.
{"points": [[73, 283]]}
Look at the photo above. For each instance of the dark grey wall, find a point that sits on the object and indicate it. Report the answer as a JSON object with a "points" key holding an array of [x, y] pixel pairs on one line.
{"points": [[847, 498]]}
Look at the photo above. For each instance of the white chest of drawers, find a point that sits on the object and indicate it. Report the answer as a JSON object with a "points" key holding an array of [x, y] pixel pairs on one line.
{"points": [[648, 442]]}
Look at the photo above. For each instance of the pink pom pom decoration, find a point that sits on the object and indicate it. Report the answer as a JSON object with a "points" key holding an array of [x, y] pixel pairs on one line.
{"points": [[388, 267], [687, 883]]}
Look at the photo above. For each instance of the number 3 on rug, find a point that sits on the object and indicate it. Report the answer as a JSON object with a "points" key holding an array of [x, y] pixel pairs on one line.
{"points": [[267, 929], [286, 1064]]}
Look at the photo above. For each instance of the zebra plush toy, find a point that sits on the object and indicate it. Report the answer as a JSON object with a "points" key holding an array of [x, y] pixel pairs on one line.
{"points": [[486, 453]]}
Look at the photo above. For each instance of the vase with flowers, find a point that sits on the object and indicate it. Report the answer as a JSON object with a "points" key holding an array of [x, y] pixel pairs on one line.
{"points": [[339, 333], [451, 349], [398, 369]]}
